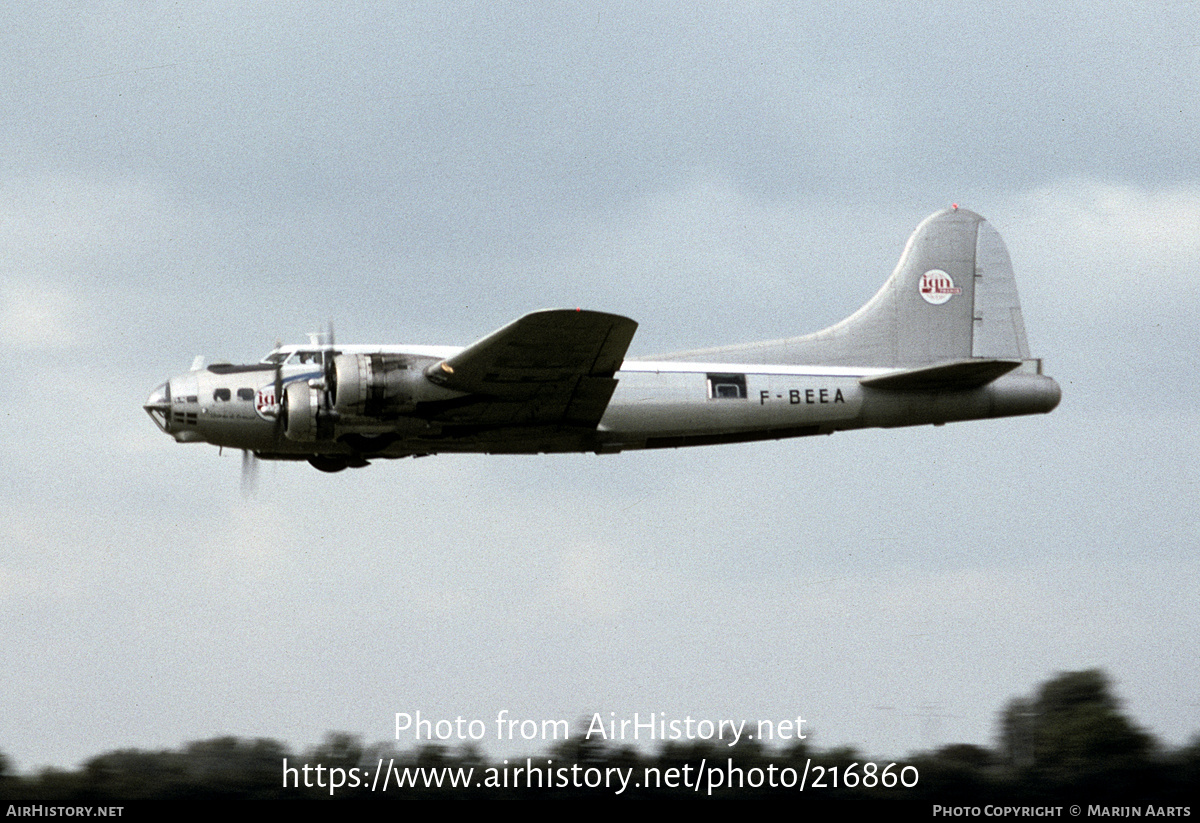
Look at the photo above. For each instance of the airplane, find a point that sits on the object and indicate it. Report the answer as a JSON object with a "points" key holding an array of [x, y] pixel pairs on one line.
{"points": [[943, 340]]}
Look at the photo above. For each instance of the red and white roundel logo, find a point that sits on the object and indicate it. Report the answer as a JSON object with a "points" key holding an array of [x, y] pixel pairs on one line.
{"points": [[264, 402], [937, 287]]}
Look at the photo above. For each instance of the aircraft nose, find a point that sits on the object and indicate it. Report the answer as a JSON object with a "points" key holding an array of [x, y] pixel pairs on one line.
{"points": [[158, 406]]}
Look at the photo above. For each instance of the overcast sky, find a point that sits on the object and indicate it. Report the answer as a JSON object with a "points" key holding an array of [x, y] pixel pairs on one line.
{"points": [[207, 178]]}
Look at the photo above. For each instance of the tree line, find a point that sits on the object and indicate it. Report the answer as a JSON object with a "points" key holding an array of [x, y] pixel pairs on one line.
{"points": [[1068, 742]]}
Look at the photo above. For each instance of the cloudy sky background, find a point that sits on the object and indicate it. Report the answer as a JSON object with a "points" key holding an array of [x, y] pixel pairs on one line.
{"points": [[208, 178]]}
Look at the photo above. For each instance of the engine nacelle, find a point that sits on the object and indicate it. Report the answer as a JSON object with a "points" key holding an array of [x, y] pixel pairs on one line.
{"points": [[380, 386], [301, 407]]}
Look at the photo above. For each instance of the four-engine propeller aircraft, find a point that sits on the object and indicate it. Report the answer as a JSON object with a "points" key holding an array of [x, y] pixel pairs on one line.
{"points": [[943, 340]]}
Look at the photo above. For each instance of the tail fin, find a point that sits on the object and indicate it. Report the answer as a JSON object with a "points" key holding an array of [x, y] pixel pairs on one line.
{"points": [[952, 296]]}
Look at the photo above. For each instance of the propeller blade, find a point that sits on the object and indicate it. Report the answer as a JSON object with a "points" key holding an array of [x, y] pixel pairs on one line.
{"points": [[279, 410], [249, 473], [329, 375]]}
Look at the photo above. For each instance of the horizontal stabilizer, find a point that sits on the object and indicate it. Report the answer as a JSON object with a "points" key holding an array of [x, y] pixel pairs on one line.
{"points": [[957, 375]]}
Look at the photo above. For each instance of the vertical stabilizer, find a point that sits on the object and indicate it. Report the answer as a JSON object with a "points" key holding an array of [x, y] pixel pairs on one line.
{"points": [[951, 296]]}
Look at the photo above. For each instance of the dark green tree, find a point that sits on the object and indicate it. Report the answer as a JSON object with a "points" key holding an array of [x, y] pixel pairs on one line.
{"points": [[1073, 732]]}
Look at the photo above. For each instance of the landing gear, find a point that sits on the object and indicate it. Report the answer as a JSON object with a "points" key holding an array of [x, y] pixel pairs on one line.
{"points": [[328, 464], [334, 463]]}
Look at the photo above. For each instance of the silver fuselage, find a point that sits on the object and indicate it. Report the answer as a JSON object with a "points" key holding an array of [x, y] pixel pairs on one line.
{"points": [[657, 404]]}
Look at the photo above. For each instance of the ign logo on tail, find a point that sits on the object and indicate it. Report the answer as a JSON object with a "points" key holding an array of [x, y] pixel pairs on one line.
{"points": [[937, 287]]}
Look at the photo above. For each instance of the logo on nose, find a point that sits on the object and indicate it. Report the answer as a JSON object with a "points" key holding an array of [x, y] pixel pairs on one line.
{"points": [[264, 403]]}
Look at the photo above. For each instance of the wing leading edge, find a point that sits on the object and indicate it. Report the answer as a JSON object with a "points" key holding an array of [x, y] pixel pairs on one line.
{"points": [[550, 367]]}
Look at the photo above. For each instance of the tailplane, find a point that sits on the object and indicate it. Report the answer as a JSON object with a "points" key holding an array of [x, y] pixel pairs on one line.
{"points": [[951, 297]]}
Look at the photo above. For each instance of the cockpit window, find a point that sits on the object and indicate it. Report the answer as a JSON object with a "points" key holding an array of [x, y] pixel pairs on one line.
{"points": [[295, 358], [305, 357]]}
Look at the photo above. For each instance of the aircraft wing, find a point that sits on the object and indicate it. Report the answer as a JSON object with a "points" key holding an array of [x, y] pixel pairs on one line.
{"points": [[550, 367]]}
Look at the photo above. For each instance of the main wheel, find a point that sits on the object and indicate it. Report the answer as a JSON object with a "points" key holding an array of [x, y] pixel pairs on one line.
{"points": [[328, 464]]}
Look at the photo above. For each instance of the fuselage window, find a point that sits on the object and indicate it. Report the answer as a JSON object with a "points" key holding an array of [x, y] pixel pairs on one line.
{"points": [[727, 387], [245, 394], [222, 394]]}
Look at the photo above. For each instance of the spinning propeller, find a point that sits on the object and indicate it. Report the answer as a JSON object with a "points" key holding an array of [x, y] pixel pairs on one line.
{"points": [[325, 413]]}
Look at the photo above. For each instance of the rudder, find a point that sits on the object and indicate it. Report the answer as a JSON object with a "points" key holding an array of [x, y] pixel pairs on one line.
{"points": [[999, 328]]}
